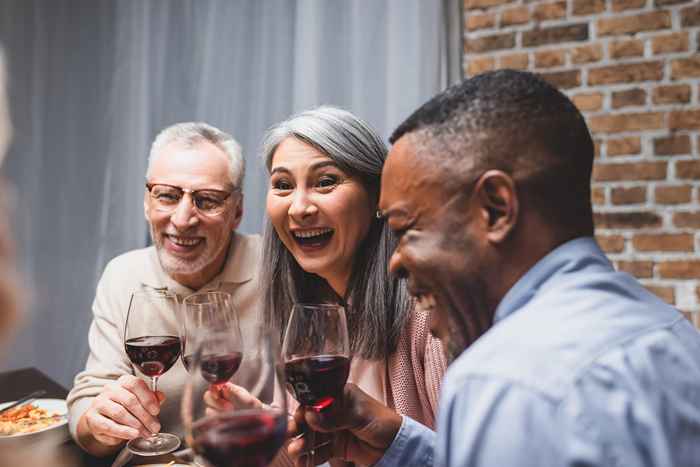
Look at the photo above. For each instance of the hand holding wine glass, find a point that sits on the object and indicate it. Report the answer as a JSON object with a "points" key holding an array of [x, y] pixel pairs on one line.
{"points": [[317, 357], [247, 435], [153, 348]]}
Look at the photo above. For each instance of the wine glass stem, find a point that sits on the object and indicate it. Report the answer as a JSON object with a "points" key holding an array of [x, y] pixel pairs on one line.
{"points": [[154, 383], [312, 445]]}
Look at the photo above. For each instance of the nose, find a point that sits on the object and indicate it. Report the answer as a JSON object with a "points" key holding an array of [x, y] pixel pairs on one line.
{"points": [[302, 206], [184, 216], [396, 265]]}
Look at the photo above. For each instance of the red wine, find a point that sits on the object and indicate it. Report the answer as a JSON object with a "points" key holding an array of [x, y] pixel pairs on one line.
{"points": [[154, 355], [317, 381], [248, 438], [217, 368]]}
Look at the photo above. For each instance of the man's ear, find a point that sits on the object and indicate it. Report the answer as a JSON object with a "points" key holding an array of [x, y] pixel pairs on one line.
{"points": [[498, 198], [238, 213], [146, 205]]}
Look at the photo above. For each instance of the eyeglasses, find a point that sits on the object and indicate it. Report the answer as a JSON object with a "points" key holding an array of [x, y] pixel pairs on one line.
{"points": [[207, 201]]}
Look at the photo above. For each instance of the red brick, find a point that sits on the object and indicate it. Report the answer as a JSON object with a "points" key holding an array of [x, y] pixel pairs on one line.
{"points": [[669, 43], [662, 3], [673, 94], [588, 7], [516, 15], [663, 242], [549, 58], [631, 24], [476, 4], [624, 146], [685, 68], [690, 16], [490, 43], [480, 21], [556, 35], [598, 195], [621, 5], [611, 243], [665, 293], [639, 269], [628, 98], [479, 65], [597, 144], [688, 119], [626, 48], [517, 61], [688, 169], [686, 269], [626, 122], [588, 102], [672, 145], [626, 220], [673, 194], [587, 53], [687, 219], [627, 73], [630, 171], [563, 79], [632, 195], [547, 11]]}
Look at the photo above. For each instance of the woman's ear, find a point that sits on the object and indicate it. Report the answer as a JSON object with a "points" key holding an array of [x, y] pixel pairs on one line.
{"points": [[498, 200]]}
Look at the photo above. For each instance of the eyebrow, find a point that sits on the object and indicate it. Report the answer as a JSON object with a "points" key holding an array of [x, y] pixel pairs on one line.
{"points": [[316, 166]]}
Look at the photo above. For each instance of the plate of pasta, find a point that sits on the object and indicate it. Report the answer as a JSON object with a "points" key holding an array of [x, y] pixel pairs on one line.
{"points": [[38, 416]]}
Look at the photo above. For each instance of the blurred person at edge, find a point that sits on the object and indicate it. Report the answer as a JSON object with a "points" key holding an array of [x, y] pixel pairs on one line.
{"points": [[324, 169], [559, 359], [196, 248], [47, 450]]}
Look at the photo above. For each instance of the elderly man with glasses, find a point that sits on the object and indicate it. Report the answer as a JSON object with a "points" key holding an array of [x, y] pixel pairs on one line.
{"points": [[193, 204]]}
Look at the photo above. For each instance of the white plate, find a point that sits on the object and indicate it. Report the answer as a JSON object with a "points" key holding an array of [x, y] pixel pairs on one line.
{"points": [[53, 406]]}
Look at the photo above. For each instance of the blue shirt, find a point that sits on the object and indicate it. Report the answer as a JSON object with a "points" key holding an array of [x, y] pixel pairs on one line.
{"points": [[582, 367]]}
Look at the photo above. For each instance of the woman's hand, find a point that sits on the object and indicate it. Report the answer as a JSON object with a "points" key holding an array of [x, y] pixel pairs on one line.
{"points": [[230, 396]]}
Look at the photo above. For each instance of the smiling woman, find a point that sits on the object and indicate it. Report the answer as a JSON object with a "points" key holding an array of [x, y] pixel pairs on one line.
{"points": [[324, 243]]}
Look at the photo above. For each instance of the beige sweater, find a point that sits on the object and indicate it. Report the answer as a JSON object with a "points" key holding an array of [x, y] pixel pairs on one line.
{"points": [[108, 361]]}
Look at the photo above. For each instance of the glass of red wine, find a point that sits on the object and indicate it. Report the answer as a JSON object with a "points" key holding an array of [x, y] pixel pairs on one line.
{"points": [[249, 430], [152, 343], [211, 315], [316, 353]]}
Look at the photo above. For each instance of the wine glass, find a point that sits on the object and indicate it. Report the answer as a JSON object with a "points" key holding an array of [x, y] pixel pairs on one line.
{"points": [[153, 348], [249, 430], [212, 315], [316, 353]]}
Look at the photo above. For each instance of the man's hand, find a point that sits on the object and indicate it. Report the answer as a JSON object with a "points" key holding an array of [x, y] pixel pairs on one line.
{"points": [[230, 396], [356, 428], [124, 410]]}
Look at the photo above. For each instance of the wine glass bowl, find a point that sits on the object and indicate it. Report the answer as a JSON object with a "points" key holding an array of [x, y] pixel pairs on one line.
{"points": [[153, 347], [316, 353], [249, 430], [211, 315]]}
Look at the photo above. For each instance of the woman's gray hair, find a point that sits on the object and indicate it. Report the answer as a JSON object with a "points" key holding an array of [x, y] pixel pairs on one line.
{"points": [[189, 134], [5, 125], [376, 303]]}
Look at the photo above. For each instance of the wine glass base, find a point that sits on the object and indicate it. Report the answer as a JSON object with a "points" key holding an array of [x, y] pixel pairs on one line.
{"points": [[162, 443]]}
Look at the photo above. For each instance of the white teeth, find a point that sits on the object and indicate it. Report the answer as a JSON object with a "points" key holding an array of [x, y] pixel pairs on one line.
{"points": [[184, 241], [311, 233]]}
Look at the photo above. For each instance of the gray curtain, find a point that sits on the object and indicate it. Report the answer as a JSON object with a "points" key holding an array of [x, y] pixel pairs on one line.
{"points": [[92, 82]]}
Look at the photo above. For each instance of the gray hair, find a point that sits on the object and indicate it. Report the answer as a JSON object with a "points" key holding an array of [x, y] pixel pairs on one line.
{"points": [[377, 305], [5, 125], [189, 134]]}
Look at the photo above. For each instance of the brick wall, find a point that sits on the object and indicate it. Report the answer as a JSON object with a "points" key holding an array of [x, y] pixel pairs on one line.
{"points": [[633, 69]]}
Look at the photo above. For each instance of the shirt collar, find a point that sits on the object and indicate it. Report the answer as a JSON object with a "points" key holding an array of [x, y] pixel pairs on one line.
{"points": [[549, 267], [237, 269]]}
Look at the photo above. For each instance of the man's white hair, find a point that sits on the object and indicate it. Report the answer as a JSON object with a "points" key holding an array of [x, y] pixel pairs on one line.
{"points": [[5, 126], [189, 134]]}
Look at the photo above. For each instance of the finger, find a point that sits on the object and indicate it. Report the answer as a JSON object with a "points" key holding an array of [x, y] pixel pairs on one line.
{"points": [[138, 387], [161, 397], [118, 413], [214, 401], [239, 397], [107, 431], [133, 404]]}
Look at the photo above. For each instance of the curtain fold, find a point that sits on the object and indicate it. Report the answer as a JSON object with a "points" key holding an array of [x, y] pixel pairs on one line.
{"points": [[93, 81]]}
